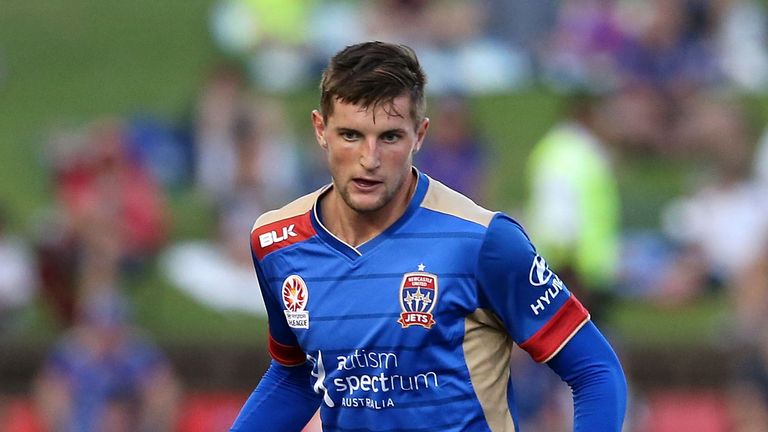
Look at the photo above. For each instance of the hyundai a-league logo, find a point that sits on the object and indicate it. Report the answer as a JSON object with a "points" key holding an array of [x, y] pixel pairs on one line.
{"points": [[295, 297], [418, 296]]}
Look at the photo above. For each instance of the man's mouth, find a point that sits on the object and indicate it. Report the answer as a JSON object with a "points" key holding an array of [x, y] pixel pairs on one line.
{"points": [[365, 183]]}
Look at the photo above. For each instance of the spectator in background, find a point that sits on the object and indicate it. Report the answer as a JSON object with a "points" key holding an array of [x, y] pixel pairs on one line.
{"points": [[573, 208], [674, 52], [740, 40], [102, 376], [18, 282], [247, 162], [247, 157], [401, 21], [606, 45], [56, 241], [105, 183], [721, 228], [280, 42], [455, 152], [269, 35], [583, 48], [521, 25], [58, 262], [652, 119], [264, 172], [652, 58], [242, 142], [669, 60], [110, 214], [326, 36], [217, 108], [164, 148], [452, 39]]}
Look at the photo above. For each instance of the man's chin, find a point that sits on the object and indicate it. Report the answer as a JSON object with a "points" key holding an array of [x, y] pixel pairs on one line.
{"points": [[365, 204], [366, 207]]}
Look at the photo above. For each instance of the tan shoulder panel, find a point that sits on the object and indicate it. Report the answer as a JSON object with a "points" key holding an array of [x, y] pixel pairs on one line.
{"points": [[443, 199], [487, 349], [292, 209]]}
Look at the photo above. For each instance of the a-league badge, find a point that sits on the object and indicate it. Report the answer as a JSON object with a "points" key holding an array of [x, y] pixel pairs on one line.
{"points": [[418, 296], [295, 297]]}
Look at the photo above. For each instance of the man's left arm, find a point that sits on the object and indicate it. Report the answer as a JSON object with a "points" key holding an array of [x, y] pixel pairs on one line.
{"points": [[590, 367], [549, 323]]}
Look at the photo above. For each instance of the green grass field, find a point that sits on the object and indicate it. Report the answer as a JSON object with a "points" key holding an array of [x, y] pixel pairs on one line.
{"points": [[65, 62]]}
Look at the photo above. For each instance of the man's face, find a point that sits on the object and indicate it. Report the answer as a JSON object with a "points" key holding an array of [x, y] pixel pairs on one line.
{"points": [[370, 151]]}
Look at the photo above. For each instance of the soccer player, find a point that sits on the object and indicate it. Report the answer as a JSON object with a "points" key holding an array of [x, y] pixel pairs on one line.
{"points": [[394, 302]]}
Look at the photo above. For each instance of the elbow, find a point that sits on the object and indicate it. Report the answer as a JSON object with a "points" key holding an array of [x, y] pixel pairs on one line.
{"points": [[602, 391]]}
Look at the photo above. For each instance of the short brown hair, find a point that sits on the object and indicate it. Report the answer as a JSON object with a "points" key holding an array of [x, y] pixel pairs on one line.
{"points": [[373, 74]]}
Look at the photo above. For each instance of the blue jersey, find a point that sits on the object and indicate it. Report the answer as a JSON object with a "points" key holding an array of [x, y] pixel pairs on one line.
{"points": [[413, 329]]}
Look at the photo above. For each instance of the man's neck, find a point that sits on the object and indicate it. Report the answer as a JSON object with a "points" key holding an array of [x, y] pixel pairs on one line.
{"points": [[354, 227]]}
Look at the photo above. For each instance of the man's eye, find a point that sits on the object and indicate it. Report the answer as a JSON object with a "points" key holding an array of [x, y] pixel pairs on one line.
{"points": [[390, 138], [349, 136]]}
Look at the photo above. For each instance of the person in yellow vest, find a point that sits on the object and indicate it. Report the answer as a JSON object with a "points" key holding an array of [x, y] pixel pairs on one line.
{"points": [[271, 38], [573, 208]]}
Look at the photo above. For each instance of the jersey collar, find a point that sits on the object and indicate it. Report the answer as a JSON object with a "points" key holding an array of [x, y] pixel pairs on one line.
{"points": [[422, 184]]}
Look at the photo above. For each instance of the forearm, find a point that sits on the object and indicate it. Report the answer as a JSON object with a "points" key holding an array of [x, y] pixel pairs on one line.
{"points": [[284, 400], [592, 370]]}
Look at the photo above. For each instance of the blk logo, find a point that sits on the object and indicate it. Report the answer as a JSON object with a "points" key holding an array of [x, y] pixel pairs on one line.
{"points": [[272, 237]]}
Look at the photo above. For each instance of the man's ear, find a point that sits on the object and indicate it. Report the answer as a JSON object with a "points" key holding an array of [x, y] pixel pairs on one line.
{"points": [[421, 133], [319, 125]]}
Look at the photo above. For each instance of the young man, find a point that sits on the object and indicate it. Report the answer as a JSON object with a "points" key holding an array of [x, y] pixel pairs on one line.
{"points": [[394, 301]]}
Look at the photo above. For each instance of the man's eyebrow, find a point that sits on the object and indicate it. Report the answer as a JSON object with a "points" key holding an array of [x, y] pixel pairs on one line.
{"points": [[395, 130], [342, 129]]}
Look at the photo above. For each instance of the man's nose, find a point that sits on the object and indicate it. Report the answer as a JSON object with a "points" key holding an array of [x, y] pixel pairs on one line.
{"points": [[369, 155]]}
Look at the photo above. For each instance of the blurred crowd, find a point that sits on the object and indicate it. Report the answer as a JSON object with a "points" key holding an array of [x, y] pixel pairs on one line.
{"points": [[658, 79]]}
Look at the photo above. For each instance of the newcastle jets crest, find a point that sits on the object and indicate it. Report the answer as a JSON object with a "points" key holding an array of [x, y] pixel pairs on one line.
{"points": [[418, 296]]}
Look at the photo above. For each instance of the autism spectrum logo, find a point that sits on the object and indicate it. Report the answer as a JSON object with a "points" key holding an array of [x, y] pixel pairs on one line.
{"points": [[367, 379]]}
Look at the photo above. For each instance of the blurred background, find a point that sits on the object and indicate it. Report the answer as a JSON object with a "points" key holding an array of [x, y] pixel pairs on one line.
{"points": [[140, 140]]}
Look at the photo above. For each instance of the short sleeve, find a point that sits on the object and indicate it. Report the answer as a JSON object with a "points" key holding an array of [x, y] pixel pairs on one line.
{"points": [[516, 283], [282, 343]]}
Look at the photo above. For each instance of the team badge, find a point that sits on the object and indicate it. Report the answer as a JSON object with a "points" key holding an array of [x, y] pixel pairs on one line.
{"points": [[295, 296], [418, 296]]}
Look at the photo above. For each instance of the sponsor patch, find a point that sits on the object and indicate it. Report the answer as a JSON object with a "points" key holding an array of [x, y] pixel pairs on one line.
{"points": [[418, 296], [541, 276], [271, 237], [295, 297], [540, 273]]}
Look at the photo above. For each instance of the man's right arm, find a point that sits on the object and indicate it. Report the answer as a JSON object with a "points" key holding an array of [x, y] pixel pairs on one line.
{"points": [[283, 401]]}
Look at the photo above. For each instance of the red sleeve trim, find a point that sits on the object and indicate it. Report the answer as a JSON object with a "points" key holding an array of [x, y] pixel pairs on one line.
{"points": [[286, 355], [276, 235], [548, 341]]}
